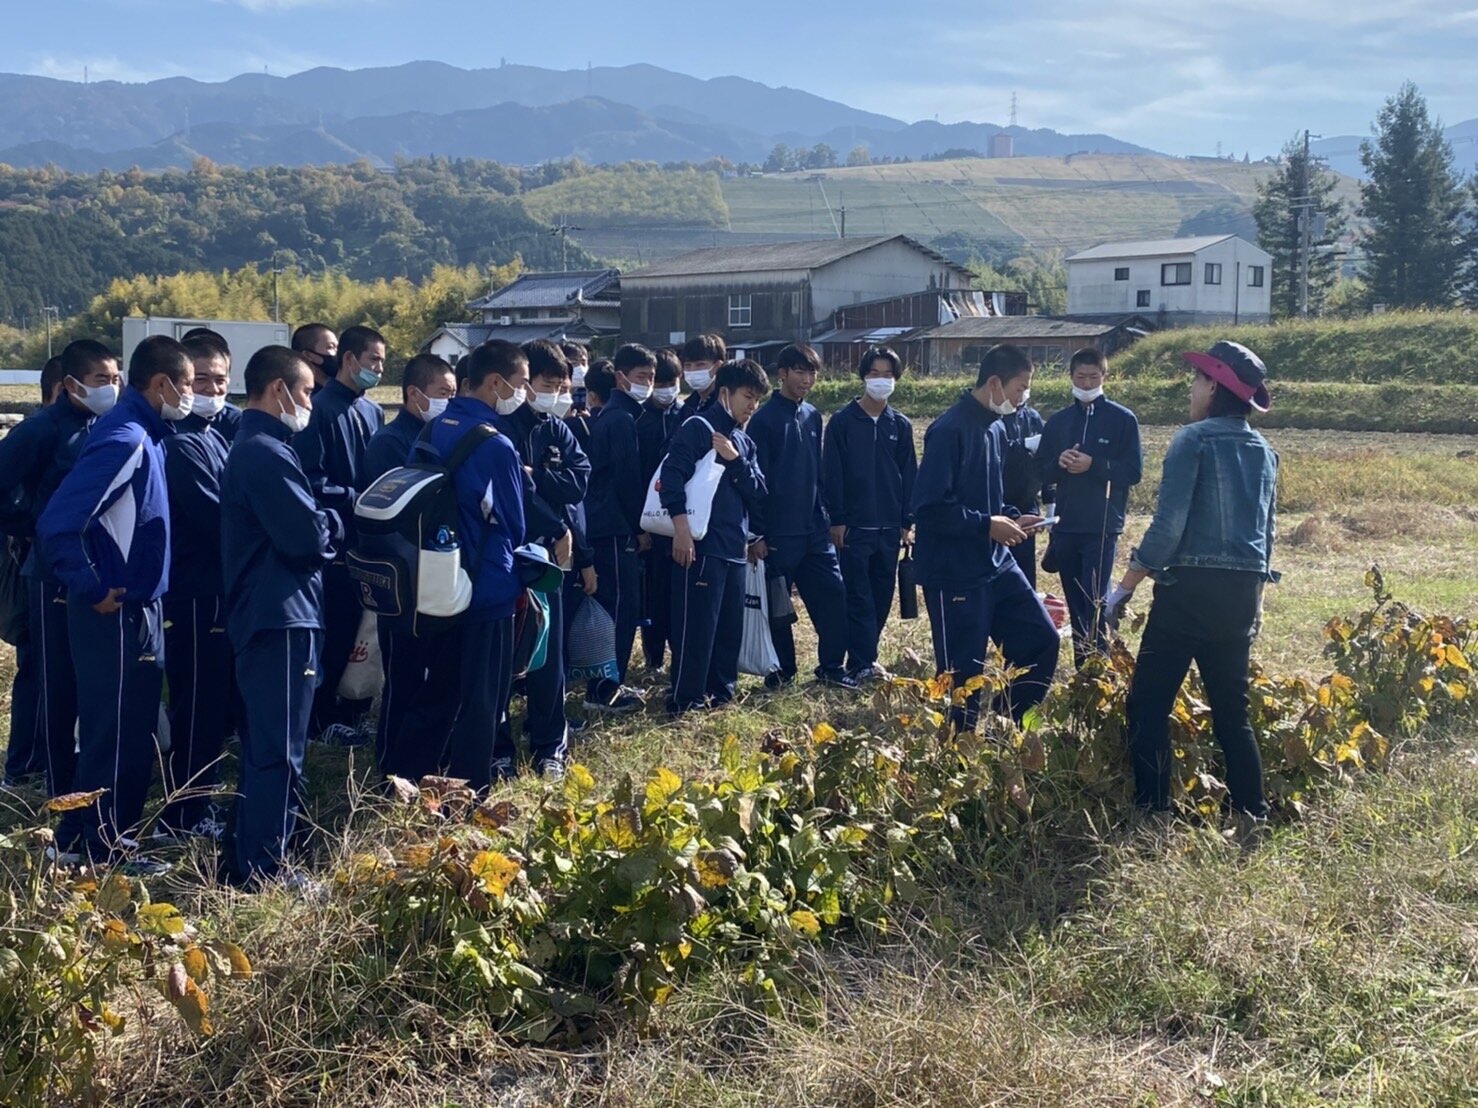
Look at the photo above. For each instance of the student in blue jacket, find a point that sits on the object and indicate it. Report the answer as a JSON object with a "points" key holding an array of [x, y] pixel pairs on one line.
{"points": [[317, 344], [34, 459], [332, 450], [198, 660], [490, 503], [416, 714], [974, 590], [701, 357], [790, 524], [106, 538], [275, 543], [661, 416], [1091, 449], [868, 463], [613, 508], [708, 578], [1023, 489], [209, 406]]}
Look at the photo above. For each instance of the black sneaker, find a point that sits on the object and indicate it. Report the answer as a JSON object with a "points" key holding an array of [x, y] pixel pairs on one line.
{"points": [[777, 680], [868, 675], [836, 678], [622, 702], [552, 770], [341, 734], [503, 770]]}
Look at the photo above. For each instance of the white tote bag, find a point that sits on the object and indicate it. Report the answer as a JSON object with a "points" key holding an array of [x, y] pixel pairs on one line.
{"points": [[364, 676], [700, 489], [756, 649]]}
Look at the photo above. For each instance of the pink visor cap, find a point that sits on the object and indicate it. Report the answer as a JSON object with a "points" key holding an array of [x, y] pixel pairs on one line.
{"points": [[1236, 369]]}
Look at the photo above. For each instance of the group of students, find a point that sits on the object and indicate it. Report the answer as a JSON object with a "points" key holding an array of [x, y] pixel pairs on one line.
{"points": [[165, 533]]}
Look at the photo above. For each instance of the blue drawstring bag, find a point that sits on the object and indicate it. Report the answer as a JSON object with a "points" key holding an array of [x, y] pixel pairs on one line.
{"points": [[590, 646]]}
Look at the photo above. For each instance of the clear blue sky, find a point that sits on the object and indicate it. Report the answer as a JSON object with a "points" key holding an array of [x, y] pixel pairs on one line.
{"points": [[1177, 75]]}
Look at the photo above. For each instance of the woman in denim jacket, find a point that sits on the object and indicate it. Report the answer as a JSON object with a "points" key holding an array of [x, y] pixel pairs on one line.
{"points": [[1209, 549]]}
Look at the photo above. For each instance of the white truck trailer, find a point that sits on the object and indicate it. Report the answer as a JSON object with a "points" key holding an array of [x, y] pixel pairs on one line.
{"points": [[245, 338]]}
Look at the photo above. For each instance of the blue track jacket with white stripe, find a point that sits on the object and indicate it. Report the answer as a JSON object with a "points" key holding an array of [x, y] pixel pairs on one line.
{"points": [[107, 527]]}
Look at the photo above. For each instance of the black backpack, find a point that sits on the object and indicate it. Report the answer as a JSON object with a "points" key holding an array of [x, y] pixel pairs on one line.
{"points": [[408, 558]]}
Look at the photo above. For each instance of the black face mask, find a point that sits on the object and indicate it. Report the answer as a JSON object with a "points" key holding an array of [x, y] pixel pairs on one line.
{"points": [[330, 364]]}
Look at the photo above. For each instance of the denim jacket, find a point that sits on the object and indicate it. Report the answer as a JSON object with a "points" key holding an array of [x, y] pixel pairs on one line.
{"points": [[1218, 502]]}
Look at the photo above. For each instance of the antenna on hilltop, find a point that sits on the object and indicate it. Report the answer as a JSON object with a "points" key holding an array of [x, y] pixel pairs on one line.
{"points": [[589, 79], [1013, 109], [84, 76]]}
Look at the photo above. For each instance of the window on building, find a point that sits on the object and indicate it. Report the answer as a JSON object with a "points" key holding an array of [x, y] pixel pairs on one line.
{"points": [[740, 310], [1175, 273], [1142, 299], [1213, 273], [1254, 276], [1121, 273]]}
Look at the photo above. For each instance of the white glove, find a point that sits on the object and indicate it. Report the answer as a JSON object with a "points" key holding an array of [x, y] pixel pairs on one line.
{"points": [[1031, 442], [1049, 511], [1113, 607]]}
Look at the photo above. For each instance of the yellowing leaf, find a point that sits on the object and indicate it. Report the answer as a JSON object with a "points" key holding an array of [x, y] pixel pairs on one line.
{"points": [[579, 782], [494, 816], [823, 733], [195, 964], [161, 919], [495, 871], [240, 964], [806, 922], [715, 868], [662, 786], [71, 802], [116, 936], [1456, 658], [193, 1005], [621, 827], [1457, 690]]}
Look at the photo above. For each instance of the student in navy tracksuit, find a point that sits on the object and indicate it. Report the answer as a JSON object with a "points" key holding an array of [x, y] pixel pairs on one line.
{"points": [[416, 714], [1023, 488], [701, 357], [577, 357], [1091, 448], [661, 416], [34, 458], [708, 578], [332, 451], [198, 661], [214, 409], [613, 508], [106, 537], [868, 463], [319, 347], [974, 590], [275, 543], [790, 524], [490, 498]]}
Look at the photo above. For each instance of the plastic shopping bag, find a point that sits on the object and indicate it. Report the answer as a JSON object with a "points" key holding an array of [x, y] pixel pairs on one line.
{"points": [[756, 649], [590, 647], [364, 676], [700, 491]]}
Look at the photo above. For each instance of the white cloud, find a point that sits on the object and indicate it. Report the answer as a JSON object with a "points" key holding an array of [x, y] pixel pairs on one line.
{"points": [[106, 67]]}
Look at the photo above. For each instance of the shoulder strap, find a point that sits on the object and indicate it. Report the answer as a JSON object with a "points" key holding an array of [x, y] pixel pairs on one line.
{"points": [[705, 423], [468, 444]]}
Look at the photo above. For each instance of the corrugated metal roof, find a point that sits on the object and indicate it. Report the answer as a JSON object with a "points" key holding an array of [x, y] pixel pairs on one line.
{"points": [[773, 256], [1149, 248], [550, 290], [1004, 328], [861, 334], [470, 334]]}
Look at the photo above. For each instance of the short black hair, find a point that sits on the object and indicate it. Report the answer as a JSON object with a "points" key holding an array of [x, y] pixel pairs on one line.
{"points": [[633, 355], [155, 355], [669, 366], [574, 352], [887, 354], [496, 356], [745, 373], [547, 359], [81, 356], [1006, 361], [1087, 356], [420, 371], [357, 339], [459, 371], [1224, 402], [306, 336], [51, 376], [272, 363], [601, 379], [799, 355], [704, 348], [207, 336]]}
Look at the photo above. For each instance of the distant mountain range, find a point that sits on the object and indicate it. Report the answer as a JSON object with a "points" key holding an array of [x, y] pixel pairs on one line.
{"points": [[516, 114], [1342, 152]]}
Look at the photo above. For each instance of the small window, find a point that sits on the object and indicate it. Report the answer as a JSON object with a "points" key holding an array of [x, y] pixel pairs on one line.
{"points": [[1254, 276], [1213, 273], [1142, 299], [740, 310], [1175, 273], [1121, 273]]}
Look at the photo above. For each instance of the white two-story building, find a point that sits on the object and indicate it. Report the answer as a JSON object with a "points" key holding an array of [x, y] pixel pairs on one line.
{"points": [[1174, 282]]}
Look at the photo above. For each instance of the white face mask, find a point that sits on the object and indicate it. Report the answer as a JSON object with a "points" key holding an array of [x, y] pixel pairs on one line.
{"points": [[1025, 396], [1087, 396], [207, 407], [577, 377], [435, 406], [99, 399], [544, 402], [698, 379], [513, 403], [639, 393], [666, 395], [177, 411], [562, 405], [1004, 408], [297, 419], [879, 388]]}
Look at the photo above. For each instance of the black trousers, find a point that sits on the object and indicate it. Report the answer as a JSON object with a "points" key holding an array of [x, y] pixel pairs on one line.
{"points": [[618, 591], [201, 668], [656, 630], [809, 562], [707, 626], [869, 562], [1086, 563], [1025, 554], [342, 613], [477, 737], [56, 701], [419, 703], [25, 753], [1206, 616]]}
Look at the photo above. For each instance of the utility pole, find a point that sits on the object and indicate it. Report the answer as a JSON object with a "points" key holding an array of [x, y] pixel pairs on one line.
{"points": [[277, 271], [563, 231], [843, 233], [46, 314], [1304, 206]]}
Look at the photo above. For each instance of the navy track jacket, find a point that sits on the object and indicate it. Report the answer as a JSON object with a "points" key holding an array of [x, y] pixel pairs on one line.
{"points": [[742, 488], [613, 504], [275, 539], [34, 457], [390, 447], [107, 527], [561, 476], [957, 491], [1092, 503], [787, 444], [653, 430], [227, 420], [332, 446], [1023, 477], [194, 463], [868, 468]]}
